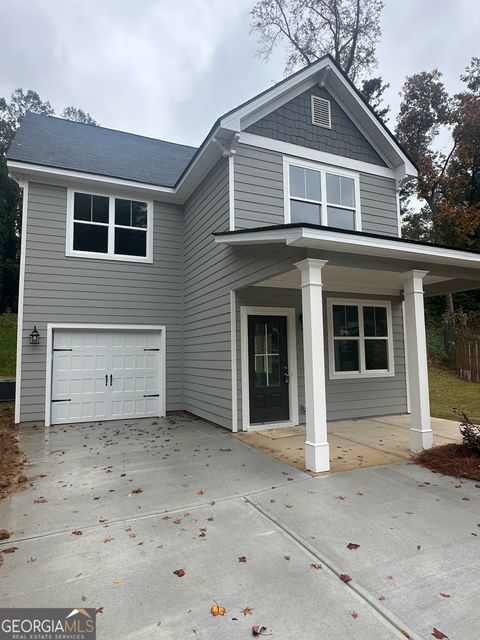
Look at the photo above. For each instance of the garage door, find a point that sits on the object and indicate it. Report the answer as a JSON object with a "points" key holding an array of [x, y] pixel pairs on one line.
{"points": [[105, 375]]}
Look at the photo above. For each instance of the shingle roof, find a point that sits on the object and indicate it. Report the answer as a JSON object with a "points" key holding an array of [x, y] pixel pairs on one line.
{"points": [[63, 144]]}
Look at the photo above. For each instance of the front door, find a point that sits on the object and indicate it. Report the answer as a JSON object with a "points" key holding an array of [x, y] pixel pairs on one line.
{"points": [[268, 369]]}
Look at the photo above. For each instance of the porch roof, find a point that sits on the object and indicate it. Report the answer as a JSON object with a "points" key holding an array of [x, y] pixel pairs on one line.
{"points": [[457, 269]]}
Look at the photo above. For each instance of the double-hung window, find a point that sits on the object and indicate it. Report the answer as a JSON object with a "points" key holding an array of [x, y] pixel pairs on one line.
{"points": [[101, 226], [320, 195], [360, 338]]}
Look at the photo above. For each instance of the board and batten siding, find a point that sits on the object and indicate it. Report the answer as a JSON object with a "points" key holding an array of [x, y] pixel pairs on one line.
{"points": [[259, 193], [85, 290], [353, 398]]}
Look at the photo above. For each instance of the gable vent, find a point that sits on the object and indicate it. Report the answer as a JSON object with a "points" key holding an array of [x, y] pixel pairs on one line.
{"points": [[321, 115]]}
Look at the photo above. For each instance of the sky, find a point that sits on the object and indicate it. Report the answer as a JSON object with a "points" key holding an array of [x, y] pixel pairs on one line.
{"points": [[168, 68]]}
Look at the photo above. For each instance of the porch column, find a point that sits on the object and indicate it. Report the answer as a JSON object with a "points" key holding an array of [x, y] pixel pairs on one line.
{"points": [[421, 434], [317, 455]]}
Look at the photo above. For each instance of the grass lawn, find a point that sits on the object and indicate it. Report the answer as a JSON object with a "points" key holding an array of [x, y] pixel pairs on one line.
{"points": [[448, 392], [8, 342]]}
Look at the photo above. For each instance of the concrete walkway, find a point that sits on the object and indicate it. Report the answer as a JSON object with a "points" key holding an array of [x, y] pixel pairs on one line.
{"points": [[354, 444], [249, 531]]}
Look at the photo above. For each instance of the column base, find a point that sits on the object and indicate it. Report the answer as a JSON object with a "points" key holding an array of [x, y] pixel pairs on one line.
{"points": [[317, 456], [420, 439]]}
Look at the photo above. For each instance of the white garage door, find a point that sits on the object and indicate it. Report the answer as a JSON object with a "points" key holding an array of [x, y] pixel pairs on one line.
{"points": [[105, 375]]}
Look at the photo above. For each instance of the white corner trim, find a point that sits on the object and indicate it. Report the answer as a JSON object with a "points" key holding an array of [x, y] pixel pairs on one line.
{"points": [[51, 326], [289, 313], [71, 252], [288, 161], [363, 373], [399, 213], [233, 357], [21, 296], [297, 151], [231, 191], [407, 377]]}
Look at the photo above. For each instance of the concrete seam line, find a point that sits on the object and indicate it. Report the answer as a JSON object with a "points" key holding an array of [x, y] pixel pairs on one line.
{"points": [[145, 515], [381, 611]]}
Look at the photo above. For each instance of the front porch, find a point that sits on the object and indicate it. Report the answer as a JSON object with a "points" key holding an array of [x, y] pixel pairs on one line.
{"points": [[354, 444]]}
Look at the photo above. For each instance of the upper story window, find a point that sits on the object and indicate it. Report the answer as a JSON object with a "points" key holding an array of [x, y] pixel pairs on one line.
{"points": [[107, 227], [320, 195], [360, 338]]}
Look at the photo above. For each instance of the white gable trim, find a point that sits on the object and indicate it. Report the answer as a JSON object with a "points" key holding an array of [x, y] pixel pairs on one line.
{"points": [[323, 157]]}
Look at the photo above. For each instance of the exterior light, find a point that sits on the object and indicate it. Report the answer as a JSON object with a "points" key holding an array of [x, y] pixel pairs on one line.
{"points": [[34, 336]]}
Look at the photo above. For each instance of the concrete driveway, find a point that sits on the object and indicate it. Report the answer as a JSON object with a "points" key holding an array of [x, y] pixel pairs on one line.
{"points": [[249, 532]]}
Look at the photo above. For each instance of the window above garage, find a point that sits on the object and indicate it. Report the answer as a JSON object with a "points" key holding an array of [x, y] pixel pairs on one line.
{"points": [[108, 227]]}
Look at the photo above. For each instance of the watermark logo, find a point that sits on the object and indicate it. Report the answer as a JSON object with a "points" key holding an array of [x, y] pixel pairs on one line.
{"points": [[47, 624]]}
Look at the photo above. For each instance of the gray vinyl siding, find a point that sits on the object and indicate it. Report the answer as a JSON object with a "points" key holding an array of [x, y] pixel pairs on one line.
{"points": [[259, 193], [292, 123], [84, 290], [360, 398]]}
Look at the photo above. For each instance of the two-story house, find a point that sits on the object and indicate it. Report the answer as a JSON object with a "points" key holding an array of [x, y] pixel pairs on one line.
{"points": [[258, 280]]}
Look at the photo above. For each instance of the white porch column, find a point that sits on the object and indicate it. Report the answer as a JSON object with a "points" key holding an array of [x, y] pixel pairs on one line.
{"points": [[421, 435], [317, 455]]}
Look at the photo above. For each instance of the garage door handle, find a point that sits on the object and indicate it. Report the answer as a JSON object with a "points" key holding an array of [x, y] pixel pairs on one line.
{"points": [[111, 378], [106, 379], [151, 395]]}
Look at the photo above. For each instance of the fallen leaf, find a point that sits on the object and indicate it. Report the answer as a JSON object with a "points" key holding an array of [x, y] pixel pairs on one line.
{"points": [[316, 565], [31, 561], [289, 506], [287, 557], [116, 581], [340, 497], [345, 578], [135, 491], [40, 500], [179, 572], [83, 599], [200, 492], [381, 598], [419, 546], [247, 611], [4, 534], [405, 633], [436, 633], [259, 631], [445, 595], [242, 559], [107, 539], [389, 578], [354, 614], [77, 533], [217, 610], [9, 550], [99, 610], [177, 521], [352, 546]]}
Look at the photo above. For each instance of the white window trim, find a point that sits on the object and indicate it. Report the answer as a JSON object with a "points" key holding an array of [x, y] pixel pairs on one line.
{"points": [[363, 373], [289, 313], [323, 169], [71, 252]]}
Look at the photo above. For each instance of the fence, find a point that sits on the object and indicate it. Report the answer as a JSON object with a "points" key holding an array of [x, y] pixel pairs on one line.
{"points": [[467, 359]]}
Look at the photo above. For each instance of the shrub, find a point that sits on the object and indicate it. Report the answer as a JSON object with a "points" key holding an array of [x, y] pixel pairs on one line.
{"points": [[470, 433]]}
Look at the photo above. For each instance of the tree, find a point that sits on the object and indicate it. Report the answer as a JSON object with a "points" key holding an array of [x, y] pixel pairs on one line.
{"points": [[448, 184], [12, 112], [78, 115], [346, 29]]}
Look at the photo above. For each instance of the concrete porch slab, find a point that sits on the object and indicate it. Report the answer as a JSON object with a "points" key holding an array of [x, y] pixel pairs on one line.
{"points": [[354, 444]]}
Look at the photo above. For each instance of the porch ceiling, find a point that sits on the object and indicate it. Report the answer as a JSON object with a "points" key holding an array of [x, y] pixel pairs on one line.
{"points": [[351, 280]]}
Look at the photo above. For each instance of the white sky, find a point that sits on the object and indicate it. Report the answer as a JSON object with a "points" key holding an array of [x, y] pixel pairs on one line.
{"points": [[169, 68]]}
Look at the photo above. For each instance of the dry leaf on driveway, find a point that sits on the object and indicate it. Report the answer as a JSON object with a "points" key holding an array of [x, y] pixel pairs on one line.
{"points": [[242, 559], [247, 611], [107, 539], [179, 572], [345, 578], [352, 546], [40, 500], [316, 565], [436, 633], [77, 533]]}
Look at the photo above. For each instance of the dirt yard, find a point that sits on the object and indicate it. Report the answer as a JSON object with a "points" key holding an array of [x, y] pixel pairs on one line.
{"points": [[11, 458]]}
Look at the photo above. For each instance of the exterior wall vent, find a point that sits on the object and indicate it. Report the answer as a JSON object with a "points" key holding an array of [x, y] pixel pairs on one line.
{"points": [[321, 114]]}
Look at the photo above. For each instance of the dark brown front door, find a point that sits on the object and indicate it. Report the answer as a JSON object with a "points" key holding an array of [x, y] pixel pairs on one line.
{"points": [[268, 369]]}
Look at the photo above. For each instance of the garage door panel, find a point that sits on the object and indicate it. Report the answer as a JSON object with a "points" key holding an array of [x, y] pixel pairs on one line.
{"points": [[105, 375]]}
